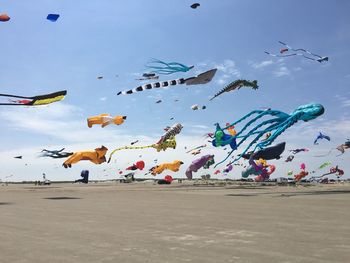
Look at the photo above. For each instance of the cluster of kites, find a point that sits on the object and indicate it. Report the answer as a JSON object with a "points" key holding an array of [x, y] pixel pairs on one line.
{"points": [[254, 140]]}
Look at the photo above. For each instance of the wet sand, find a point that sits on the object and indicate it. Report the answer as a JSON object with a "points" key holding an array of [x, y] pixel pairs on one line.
{"points": [[144, 222]]}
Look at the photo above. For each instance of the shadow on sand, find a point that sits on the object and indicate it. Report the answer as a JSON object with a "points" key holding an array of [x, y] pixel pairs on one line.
{"points": [[61, 198], [6, 203]]}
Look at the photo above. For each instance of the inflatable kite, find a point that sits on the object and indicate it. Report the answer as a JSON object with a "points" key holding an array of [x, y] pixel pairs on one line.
{"points": [[171, 132], [205, 161], [33, 101], [325, 164], [161, 67], [343, 146], [202, 78], [334, 170], [228, 168], [174, 166], [137, 166], [269, 153], [259, 168], [298, 52], [166, 141], [105, 119], [302, 173], [321, 136], [56, 154], [295, 151], [289, 158], [52, 17], [4, 18], [237, 84], [97, 156], [277, 125]]}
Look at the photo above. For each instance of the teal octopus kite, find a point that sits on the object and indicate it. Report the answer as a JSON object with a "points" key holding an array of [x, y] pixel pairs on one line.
{"points": [[161, 67], [277, 126]]}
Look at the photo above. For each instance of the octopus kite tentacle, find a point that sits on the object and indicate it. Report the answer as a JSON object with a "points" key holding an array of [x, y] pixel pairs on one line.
{"points": [[168, 68]]}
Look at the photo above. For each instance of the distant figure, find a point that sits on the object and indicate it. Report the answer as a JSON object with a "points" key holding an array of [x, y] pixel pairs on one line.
{"points": [[85, 177]]}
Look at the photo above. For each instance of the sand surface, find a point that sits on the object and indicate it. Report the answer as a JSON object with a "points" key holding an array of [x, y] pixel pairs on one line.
{"points": [[144, 222]]}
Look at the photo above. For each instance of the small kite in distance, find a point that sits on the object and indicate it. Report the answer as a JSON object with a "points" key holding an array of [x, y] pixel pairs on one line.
{"points": [[321, 136], [4, 18], [195, 5], [18, 157], [52, 17]]}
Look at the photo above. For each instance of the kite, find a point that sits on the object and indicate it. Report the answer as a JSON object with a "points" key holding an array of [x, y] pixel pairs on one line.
{"points": [[35, 100], [166, 141], [52, 17], [97, 156], [334, 170], [100, 77], [302, 173], [276, 126], [18, 157], [202, 78], [197, 107], [4, 18], [138, 165], [161, 67], [289, 158], [147, 76], [196, 152], [171, 132], [295, 151], [325, 164], [310, 55], [205, 161], [195, 5], [105, 119], [231, 129], [269, 153], [321, 136], [174, 166], [196, 148], [158, 101], [259, 168], [55, 153], [343, 146], [132, 143], [228, 168], [237, 84]]}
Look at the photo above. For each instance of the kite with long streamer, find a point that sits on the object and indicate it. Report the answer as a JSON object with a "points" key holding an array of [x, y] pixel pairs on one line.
{"points": [[277, 125]]}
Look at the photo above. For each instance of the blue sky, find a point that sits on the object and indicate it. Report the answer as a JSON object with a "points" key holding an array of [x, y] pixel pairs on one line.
{"points": [[115, 39]]}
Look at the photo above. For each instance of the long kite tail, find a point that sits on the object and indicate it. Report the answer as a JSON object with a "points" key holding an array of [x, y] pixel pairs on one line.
{"points": [[154, 85], [129, 148]]}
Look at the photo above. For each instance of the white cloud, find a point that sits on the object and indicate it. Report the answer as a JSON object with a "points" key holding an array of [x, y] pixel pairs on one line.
{"points": [[281, 71], [262, 64], [229, 68]]}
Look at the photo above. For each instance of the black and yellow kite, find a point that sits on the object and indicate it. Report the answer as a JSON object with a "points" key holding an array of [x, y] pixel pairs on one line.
{"points": [[33, 101]]}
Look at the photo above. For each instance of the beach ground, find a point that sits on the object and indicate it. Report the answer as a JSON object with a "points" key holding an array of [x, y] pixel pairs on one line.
{"points": [[145, 222]]}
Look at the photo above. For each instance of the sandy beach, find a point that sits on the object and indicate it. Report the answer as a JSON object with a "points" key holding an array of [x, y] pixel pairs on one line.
{"points": [[145, 222]]}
